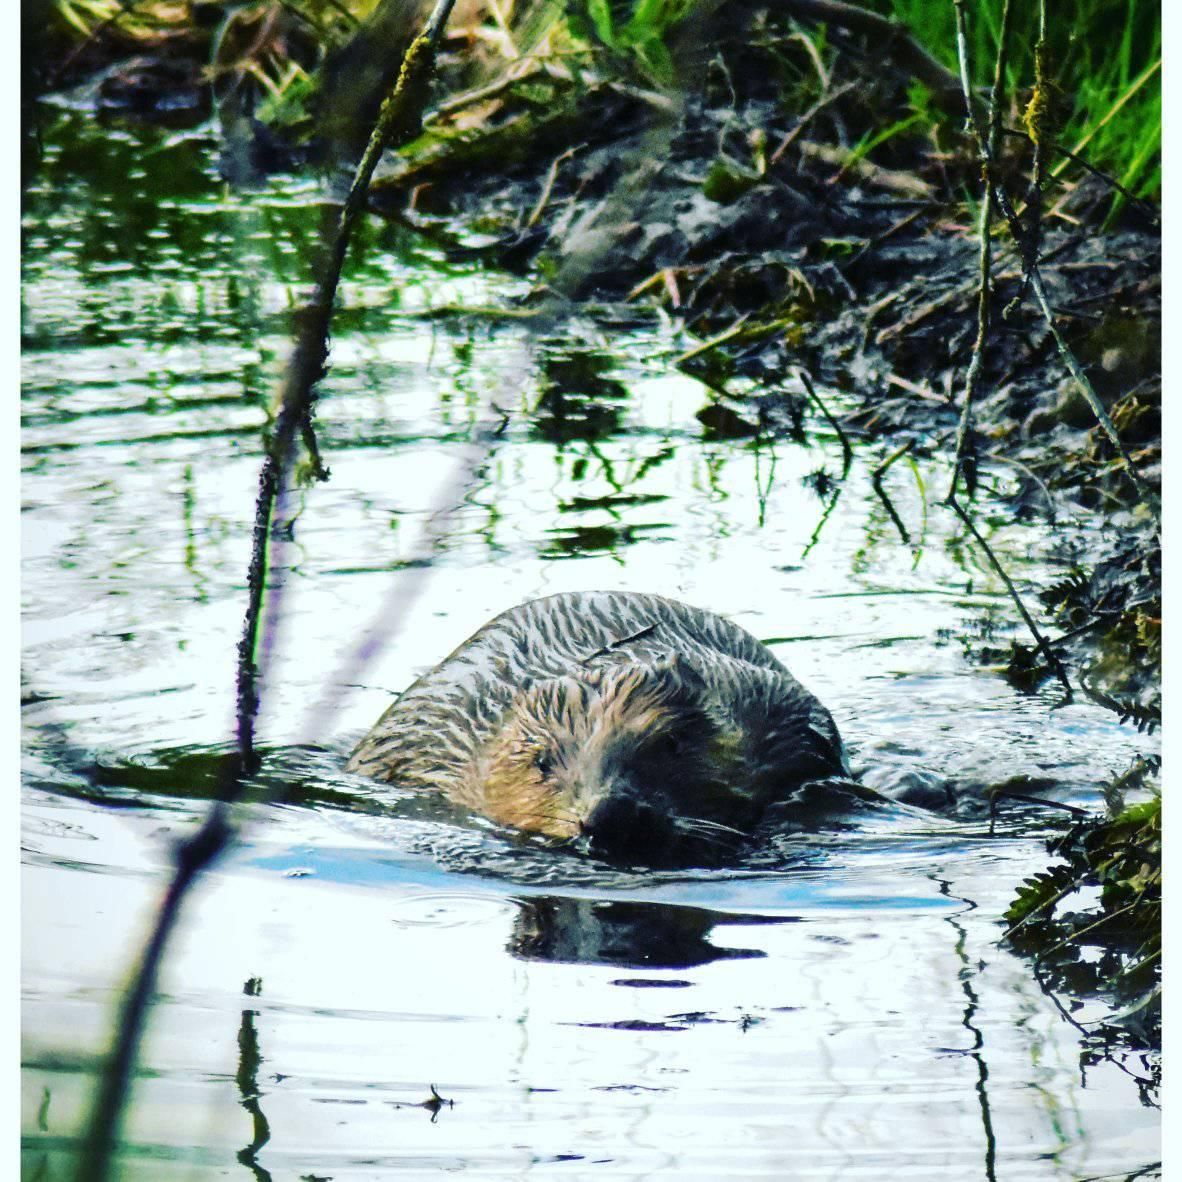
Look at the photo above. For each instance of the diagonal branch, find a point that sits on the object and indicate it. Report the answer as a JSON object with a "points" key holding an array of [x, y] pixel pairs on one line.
{"points": [[397, 122]]}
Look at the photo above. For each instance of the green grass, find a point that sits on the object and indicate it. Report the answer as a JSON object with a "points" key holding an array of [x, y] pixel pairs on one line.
{"points": [[1105, 54], [636, 27]]}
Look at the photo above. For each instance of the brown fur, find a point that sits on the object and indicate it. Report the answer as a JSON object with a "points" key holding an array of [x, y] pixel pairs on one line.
{"points": [[628, 720], [568, 744]]}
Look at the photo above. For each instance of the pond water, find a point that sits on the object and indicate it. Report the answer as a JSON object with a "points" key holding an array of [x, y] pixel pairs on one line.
{"points": [[832, 1006]]}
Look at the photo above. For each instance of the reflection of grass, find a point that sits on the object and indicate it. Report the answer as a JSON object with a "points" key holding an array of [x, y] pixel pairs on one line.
{"points": [[601, 539]]}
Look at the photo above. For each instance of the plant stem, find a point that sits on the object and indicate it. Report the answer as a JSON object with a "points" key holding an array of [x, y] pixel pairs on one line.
{"points": [[397, 121]]}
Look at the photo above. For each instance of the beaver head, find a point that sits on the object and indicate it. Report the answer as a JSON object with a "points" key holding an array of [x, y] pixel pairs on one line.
{"points": [[630, 761]]}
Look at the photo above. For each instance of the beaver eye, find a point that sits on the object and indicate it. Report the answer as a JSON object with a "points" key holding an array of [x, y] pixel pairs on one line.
{"points": [[544, 762]]}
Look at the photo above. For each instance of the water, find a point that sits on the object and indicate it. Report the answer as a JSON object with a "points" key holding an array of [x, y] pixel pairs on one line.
{"points": [[837, 1006]]}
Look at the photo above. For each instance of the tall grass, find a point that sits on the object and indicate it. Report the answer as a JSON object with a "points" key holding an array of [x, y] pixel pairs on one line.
{"points": [[1106, 55]]}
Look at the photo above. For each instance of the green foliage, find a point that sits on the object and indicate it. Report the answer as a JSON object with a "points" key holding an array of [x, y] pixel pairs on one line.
{"points": [[1039, 893], [1102, 55], [1118, 607], [727, 179], [1105, 896], [640, 32]]}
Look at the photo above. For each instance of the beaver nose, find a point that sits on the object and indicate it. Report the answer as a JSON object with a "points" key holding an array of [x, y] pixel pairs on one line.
{"points": [[623, 825]]}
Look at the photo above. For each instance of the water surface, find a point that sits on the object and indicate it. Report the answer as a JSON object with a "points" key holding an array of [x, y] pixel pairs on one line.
{"points": [[830, 1007]]}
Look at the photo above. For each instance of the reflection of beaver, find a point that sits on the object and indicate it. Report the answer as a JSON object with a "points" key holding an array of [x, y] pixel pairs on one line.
{"points": [[624, 933], [653, 730]]}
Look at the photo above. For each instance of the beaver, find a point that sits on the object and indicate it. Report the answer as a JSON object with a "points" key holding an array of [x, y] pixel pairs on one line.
{"points": [[632, 726]]}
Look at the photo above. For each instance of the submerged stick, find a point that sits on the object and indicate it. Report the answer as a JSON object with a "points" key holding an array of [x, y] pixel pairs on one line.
{"points": [[1003, 794], [1049, 654], [397, 122], [876, 483]]}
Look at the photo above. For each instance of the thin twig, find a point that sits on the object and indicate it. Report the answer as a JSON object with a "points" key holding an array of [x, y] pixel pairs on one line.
{"points": [[893, 379], [1040, 123], [398, 119], [895, 456], [965, 460], [806, 119], [481, 94], [727, 334], [1147, 208], [548, 185], [1005, 794], [1044, 647], [892, 180], [1148, 497], [1042, 955], [1030, 267], [1106, 618], [1042, 484]]}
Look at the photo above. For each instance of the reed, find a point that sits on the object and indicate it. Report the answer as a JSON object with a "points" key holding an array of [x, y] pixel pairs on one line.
{"points": [[1105, 58]]}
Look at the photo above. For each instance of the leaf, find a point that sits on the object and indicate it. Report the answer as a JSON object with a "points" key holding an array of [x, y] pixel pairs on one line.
{"points": [[726, 182], [1037, 893], [600, 13]]}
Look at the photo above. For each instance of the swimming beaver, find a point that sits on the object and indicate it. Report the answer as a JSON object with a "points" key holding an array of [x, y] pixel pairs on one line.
{"points": [[644, 729]]}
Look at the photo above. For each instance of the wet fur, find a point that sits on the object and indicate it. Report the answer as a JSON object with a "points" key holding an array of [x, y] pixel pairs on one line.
{"points": [[566, 702]]}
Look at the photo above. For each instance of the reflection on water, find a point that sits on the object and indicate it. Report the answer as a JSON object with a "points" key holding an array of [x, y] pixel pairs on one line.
{"points": [[632, 935], [835, 1004]]}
